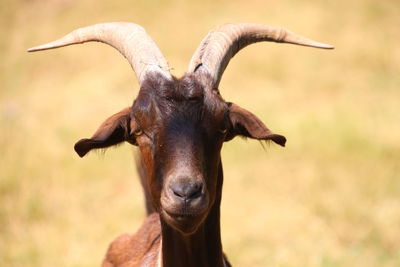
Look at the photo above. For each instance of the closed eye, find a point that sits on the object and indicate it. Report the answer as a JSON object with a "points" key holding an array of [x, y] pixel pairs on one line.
{"points": [[224, 128]]}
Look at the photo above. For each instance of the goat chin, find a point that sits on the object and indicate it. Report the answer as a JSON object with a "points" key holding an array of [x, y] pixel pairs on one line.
{"points": [[186, 224]]}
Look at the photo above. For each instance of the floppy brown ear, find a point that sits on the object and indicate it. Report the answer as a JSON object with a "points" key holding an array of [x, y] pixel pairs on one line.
{"points": [[112, 131], [246, 124]]}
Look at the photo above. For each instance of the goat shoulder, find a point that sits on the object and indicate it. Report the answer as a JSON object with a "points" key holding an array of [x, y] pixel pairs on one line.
{"points": [[139, 249]]}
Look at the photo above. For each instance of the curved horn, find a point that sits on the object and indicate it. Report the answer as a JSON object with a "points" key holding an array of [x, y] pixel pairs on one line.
{"points": [[219, 46], [130, 39]]}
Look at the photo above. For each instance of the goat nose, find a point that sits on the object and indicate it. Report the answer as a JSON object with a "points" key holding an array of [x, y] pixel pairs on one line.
{"points": [[187, 191]]}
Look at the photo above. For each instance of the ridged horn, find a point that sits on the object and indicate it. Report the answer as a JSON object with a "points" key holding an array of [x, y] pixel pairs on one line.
{"points": [[130, 39], [220, 45]]}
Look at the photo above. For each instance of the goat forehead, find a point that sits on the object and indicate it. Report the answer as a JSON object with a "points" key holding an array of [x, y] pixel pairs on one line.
{"points": [[177, 107], [187, 87]]}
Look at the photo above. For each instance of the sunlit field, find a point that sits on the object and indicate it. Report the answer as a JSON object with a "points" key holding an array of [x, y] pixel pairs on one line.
{"points": [[330, 198]]}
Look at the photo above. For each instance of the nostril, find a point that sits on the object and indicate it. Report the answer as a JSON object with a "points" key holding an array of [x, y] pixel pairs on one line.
{"points": [[187, 191], [178, 193], [196, 191]]}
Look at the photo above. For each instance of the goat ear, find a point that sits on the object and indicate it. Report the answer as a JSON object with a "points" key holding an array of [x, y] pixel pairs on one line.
{"points": [[246, 124], [112, 131]]}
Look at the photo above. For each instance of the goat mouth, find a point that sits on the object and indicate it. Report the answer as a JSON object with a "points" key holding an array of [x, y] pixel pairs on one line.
{"points": [[184, 210], [184, 222], [182, 216]]}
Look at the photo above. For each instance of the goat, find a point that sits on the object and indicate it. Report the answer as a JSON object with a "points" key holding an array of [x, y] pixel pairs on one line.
{"points": [[179, 125]]}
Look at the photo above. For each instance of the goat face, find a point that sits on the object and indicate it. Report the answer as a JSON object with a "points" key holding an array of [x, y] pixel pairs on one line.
{"points": [[179, 126], [182, 128]]}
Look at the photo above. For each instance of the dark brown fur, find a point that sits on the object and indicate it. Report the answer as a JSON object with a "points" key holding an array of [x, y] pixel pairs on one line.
{"points": [[179, 126]]}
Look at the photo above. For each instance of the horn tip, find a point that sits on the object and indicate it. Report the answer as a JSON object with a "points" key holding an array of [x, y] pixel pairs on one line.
{"points": [[327, 46], [52, 45], [32, 49], [38, 48]]}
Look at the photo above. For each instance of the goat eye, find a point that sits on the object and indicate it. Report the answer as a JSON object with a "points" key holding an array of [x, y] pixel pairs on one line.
{"points": [[223, 130], [138, 132]]}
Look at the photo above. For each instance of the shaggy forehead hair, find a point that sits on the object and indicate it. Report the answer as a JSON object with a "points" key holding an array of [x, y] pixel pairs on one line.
{"points": [[175, 101]]}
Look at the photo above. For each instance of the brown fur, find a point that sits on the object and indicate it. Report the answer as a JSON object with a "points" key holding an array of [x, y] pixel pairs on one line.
{"points": [[179, 126], [134, 250]]}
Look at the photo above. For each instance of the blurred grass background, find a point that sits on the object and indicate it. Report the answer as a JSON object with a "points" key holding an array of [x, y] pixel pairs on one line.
{"points": [[330, 198]]}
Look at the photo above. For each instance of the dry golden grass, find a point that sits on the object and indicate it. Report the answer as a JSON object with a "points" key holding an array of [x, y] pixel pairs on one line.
{"points": [[330, 198]]}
